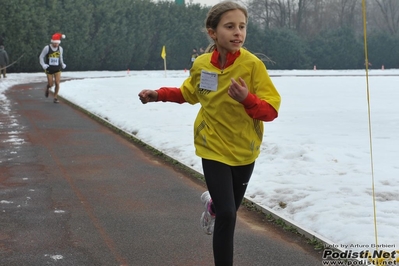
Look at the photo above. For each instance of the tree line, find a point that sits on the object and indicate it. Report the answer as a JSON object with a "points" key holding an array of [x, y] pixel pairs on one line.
{"points": [[328, 33], [129, 34]]}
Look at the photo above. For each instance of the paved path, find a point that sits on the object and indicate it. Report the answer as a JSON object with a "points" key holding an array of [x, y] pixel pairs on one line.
{"points": [[73, 192]]}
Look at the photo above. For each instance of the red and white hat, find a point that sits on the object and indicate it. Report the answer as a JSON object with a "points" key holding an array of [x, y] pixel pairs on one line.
{"points": [[56, 38]]}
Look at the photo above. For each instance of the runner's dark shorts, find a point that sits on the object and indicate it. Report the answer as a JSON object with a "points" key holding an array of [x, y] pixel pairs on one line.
{"points": [[52, 71]]}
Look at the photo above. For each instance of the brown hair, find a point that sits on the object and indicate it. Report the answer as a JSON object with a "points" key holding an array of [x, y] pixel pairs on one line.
{"points": [[215, 13]]}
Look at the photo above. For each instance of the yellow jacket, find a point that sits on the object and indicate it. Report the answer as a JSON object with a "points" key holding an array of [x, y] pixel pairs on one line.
{"points": [[223, 130]]}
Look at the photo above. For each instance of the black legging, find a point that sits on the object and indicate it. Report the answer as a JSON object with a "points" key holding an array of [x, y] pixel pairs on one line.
{"points": [[227, 186]]}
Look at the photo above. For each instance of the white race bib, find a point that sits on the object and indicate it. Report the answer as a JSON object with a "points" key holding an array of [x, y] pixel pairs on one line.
{"points": [[209, 81], [54, 61]]}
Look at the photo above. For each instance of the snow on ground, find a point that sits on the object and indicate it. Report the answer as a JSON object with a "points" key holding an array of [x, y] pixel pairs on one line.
{"points": [[320, 159]]}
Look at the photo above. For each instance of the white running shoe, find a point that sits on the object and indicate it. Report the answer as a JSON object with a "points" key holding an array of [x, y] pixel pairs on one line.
{"points": [[207, 217]]}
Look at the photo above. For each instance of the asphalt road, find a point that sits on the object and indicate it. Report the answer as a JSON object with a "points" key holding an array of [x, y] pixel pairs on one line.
{"points": [[74, 192]]}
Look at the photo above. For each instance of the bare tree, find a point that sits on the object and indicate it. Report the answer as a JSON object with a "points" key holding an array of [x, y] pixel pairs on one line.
{"points": [[388, 17], [347, 12], [305, 16], [272, 13], [260, 12], [281, 11], [315, 18], [344, 14], [300, 14], [310, 17]]}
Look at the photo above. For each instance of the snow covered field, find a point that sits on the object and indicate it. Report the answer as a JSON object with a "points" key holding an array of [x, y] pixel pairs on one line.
{"points": [[315, 166]]}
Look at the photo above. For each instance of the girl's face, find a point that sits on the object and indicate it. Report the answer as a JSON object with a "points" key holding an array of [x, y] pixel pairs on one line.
{"points": [[229, 36]]}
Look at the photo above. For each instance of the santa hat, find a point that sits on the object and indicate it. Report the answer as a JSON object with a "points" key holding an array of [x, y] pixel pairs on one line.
{"points": [[56, 38]]}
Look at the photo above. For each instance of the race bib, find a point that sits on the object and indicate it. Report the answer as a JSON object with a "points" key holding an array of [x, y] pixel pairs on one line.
{"points": [[54, 61], [209, 81]]}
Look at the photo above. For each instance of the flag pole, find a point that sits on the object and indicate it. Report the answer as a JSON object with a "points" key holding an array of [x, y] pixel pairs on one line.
{"points": [[164, 65]]}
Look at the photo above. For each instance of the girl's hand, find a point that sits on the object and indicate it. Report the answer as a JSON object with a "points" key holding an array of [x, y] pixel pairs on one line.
{"points": [[148, 96], [238, 91]]}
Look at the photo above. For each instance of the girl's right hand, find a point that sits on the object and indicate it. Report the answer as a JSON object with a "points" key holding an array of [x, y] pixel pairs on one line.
{"points": [[146, 96]]}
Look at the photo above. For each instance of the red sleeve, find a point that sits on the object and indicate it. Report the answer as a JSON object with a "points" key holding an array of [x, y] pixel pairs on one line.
{"points": [[170, 94], [259, 109]]}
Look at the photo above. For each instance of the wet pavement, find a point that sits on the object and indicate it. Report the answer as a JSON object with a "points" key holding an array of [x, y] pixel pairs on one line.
{"points": [[74, 192]]}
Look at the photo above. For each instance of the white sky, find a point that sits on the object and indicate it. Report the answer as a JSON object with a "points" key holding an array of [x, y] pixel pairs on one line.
{"points": [[315, 157], [203, 2]]}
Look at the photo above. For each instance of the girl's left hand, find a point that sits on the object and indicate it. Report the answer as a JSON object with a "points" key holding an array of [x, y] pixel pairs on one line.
{"points": [[236, 91]]}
